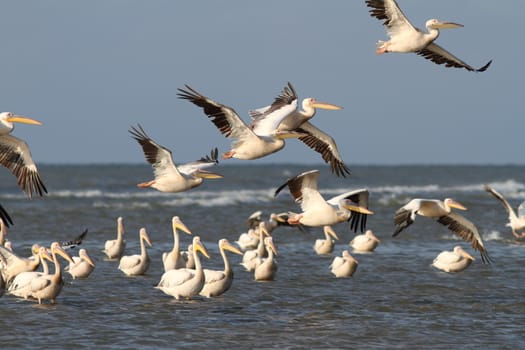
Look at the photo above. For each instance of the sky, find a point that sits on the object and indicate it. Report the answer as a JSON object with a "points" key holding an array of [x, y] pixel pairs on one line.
{"points": [[88, 70]]}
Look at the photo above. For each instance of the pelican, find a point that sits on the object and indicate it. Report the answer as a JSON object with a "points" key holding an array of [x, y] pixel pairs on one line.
{"points": [[265, 270], [251, 258], [250, 239], [326, 246], [185, 283], [16, 156], [299, 121], [187, 256], [259, 139], [74, 242], [115, 247], [13, 264], [217, 282], [3, 232], [21, 284], [168, 176], [404, 37], [453, 261], [173, 260], [516, 222], [134, 265], [344, 266], [317, 212], [365, 242], [82, 265], [442, 212]]}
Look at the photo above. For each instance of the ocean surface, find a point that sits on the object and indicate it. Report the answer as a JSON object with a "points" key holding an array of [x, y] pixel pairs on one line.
{"points": [[395, 300]]}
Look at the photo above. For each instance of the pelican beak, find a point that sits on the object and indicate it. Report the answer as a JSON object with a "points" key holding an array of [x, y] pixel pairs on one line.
{"points": [[466, 255], [272, 246], [331, 232], [457, 205], [324, 105], [277, 218], [286, 134], [232, 248], [88, 259], [145, 237], [45, 255], [22, 119], [199, 247], [207, 175], [179, 225], [64, 254], [373, 237], [264, 230], [357, 209], [447, 25]]}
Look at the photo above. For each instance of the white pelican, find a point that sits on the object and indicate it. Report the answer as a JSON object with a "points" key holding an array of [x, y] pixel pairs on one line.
{"points": [[114, 248], [251, 258], [133, 265], [453, 261], [173, 259], [185, 283], [21, 284], [82, 265], [259, 139], [187, 256], [442, 212], [16, 156], [13, 264], [266, 268], [217, 282], [317, 212], [344, 266], [516, 222], [365, 242], [168, 176], [326, 246], [299, 121], [250, 239], [74, 242], [404, 37]]}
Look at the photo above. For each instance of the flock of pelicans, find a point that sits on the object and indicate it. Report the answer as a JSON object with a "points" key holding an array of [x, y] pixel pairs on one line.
{"points": [[184, 276]]}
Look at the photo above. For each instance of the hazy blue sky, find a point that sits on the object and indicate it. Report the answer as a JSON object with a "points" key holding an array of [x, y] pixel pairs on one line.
{"points": [[90, 69]]}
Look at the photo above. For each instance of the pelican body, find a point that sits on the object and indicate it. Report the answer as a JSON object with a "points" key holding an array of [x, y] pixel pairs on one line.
{"points": [[114, 248], [326, 246], [134, 265], [516, 221], [11, 264], [173, 259], [343, 266], [252, 258], [266, 268], [365, 242], [217, 282], [82, 265], [21, 284], [453, 261]]}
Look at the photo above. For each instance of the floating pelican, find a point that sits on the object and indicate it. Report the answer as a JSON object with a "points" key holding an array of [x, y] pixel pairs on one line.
{"points": [[326, 246], [173, 259], [348, 206], [21, 284], [74, 242], [516, 222], [168, 176], [82, 265], [259, 139], [442, 212], [453, 261], [250, 239], [115, 247], [217, 282], [365, 242], [13, 264], [16, 156], [185, 283], [251, 258], [404, 37], [344, 266], [134, 265], [266, 268]]}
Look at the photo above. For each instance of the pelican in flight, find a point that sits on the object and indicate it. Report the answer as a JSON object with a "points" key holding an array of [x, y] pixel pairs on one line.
{"points": [[173, 259], [134, 265], [12, 264], [442, 212], [74, 242], [453, 261], [82, 265], [266, 268], [299, 121], [217, 282], [317, 211], [343, 266], [16, 156], [168, 176], [365, 242], [326, 246], [404, 37], [114, 248], [259, 139], [516, 222]]}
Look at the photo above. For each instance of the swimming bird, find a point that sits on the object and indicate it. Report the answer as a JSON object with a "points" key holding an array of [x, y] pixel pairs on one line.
{"points": [[82, 265], [344, 266], [299, 121], [21, 284], [316, 211], [326, 245], [250, 239], [16, 156], [114, 248], [12, 264], [185, 283], [217, 282], [516, 221], [453, 261], [134, 265], [259, 139], [266, 267], [173, 259], [404, 37], [74, 242], [250, 257], [168, 176], [441, 211], [365, 242]]}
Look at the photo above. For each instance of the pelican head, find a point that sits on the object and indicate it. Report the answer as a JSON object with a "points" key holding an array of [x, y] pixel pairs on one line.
{"points": [[460, 251], [346, 255], [177, 224], [371, 235], [7, 119], [277, 218], [225, 244], [57, 249], [454, 204], [198, 246], [262, 227], [82, 253], [144, 236], [437, 24], [268, 241], [328, 230]]}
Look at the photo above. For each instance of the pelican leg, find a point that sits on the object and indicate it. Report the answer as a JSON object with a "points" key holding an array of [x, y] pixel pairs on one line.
{"points": [[518, 235], [228, 155], [381, 47], [146, 184], [295, 219]]}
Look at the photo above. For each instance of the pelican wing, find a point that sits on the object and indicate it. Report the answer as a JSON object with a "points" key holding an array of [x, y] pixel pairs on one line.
{"points": [[16, 156], [4, 215], [40, 282], [174, 278], [521, 209], [204, 162], [337, 262], [74, 242], [447, 257], [10, 258], [395, 20], [439, 55], [286, 102], [211, 276], [502, 199], [359, 198], [129, 261], [298, 185]]}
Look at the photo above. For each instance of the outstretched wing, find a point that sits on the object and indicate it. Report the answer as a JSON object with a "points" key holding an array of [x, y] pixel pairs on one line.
{"points": [[439, 55]]}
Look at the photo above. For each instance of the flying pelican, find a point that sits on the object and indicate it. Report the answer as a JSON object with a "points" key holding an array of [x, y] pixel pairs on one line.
{"points": [[134, 265], [114, 248], [365, 242], [173, 260], [185, 283], [344, 266], [21, 284], [74, 242], [16, 156], [266, 268], [259, 139], [442, 212], [168, 176], [251, 258], [404, 37], [217, 282], [82, 265], [13, 264], [453, 261], [317, 212], [516, 222], [326, 246]]}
